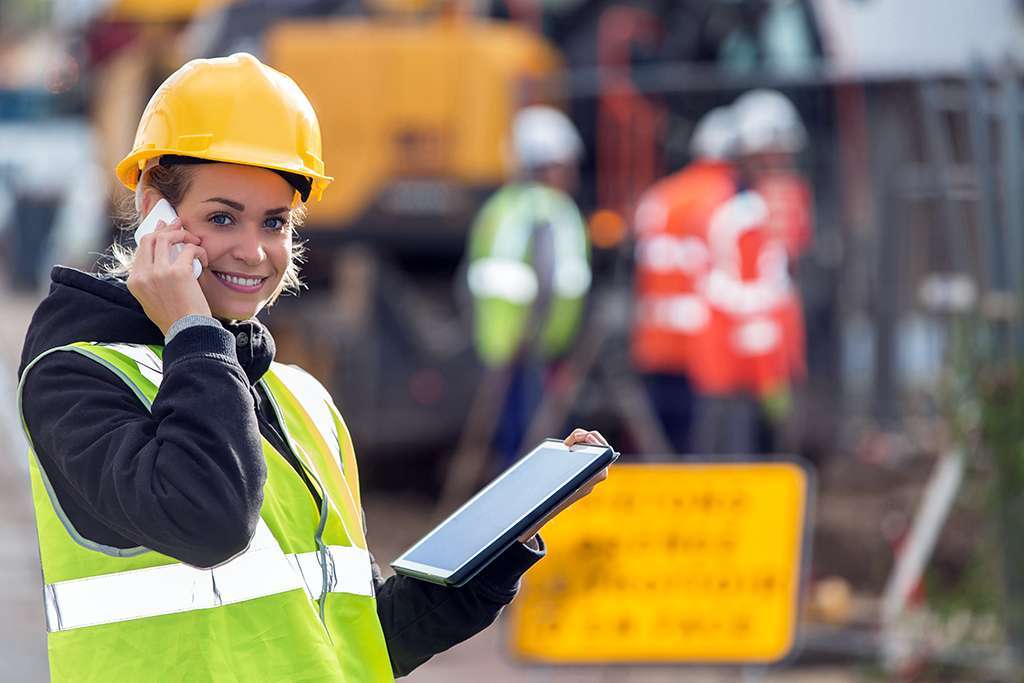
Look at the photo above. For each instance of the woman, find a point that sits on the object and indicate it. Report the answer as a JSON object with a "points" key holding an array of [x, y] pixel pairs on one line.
{"points": [[198, 505]]}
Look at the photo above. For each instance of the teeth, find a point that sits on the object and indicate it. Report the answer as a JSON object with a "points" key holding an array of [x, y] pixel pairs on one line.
{"points": [[241, 281]]}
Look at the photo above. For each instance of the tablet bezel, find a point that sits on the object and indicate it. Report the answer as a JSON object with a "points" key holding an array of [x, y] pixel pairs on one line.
{"points": [[501, 541]]}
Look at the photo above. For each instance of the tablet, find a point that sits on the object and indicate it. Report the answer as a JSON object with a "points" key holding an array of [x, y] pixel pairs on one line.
{"points": [[493, 519]]}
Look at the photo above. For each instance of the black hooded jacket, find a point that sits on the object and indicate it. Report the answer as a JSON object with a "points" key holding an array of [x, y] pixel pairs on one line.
{"points": [[187, 479]]}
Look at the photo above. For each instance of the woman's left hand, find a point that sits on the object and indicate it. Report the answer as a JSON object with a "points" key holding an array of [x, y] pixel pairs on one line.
{"points": [[578, 436]]}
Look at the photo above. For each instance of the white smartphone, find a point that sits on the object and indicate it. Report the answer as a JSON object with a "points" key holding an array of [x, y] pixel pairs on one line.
{"points": [[163, 211]]}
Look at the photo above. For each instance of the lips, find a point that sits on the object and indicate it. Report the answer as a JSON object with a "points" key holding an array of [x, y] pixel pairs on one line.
{"points": [[239, 282]]}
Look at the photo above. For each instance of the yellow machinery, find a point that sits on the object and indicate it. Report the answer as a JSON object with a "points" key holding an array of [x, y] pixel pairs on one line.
{"points": [[412, 113], [163, 10]]}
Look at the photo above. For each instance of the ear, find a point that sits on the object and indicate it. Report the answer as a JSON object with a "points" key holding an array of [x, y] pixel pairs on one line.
{"points": [[150, 196]]}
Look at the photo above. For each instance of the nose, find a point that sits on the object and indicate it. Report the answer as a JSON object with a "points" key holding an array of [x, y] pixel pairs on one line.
{"points": [[249, 247]]}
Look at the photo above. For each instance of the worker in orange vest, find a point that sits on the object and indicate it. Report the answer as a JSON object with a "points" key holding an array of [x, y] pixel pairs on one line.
{"points": [[743, 359], [754, 240], [771, 135]]}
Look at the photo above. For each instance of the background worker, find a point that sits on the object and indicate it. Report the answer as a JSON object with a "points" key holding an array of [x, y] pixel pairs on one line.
{"points": [[770, 136], [198, 505], [529, 267], [741, 358], [671, 317]]}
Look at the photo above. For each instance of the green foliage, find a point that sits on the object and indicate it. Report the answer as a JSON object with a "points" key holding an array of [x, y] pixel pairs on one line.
{"points": [[974, 591], [982, 399], [1002, 429]]}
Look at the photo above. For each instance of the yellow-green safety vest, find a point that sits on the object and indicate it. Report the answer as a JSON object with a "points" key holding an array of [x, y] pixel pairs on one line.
{"points": [[297, 605], [502, 279]]}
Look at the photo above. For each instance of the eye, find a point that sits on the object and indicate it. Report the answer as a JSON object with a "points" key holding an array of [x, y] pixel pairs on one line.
{"points": [[275, 223], [221, 219]]}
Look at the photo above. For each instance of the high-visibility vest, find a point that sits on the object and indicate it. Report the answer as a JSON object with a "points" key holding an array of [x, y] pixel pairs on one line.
{"points": [[503, 279], [297, 604], [671, 319], [754, 339]]}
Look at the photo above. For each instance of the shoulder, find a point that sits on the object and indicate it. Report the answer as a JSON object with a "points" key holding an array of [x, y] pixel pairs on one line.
{"points": [[505, 199], [303, 386], [292, 388], [81, 359], [299, 380], [67, 388], [73, 373]]}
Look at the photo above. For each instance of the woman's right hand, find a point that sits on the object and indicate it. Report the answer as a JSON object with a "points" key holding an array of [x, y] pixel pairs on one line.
{"points": [[168, 289]]}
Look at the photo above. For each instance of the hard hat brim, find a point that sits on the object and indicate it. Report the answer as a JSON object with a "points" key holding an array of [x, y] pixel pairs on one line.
{"points": [[129, 169]]}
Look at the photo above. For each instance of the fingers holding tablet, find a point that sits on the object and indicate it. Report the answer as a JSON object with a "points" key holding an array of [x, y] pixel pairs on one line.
{"points": [[584, 436], [589, 438]]}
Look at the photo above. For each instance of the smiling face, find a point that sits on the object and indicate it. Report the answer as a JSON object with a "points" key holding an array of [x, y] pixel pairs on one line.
{"points": [[242, 214]]}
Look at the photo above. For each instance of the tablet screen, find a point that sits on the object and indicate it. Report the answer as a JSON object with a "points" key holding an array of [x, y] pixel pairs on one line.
{"points": [[501, 505]]}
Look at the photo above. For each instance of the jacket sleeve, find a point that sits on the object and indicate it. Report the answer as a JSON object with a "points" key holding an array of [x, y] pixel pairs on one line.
{"points": [[421, 619], [186, 480]]}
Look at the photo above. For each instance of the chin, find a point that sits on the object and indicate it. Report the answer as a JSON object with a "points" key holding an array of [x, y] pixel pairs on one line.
{"points": [[236, 312]]}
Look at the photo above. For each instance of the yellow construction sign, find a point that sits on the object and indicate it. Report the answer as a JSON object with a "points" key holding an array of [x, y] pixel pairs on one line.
{"points": [[670, 563]]}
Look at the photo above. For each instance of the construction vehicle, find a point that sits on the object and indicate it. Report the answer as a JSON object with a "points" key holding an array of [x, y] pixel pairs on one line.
{"points": [[415, 115]]}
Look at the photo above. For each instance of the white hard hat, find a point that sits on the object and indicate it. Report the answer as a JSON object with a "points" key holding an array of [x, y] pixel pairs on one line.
{"points": [[768, 122], [542, 136], [715, 135]]}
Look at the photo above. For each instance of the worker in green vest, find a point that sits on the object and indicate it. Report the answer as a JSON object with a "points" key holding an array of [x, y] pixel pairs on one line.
{"points": [[197, 503], [529, 267]]}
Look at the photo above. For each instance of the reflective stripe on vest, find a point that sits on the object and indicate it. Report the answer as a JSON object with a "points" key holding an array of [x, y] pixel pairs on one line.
{"points": [[684, 313], [501, 268], [260, 571], [502, 278], [348, 571]]}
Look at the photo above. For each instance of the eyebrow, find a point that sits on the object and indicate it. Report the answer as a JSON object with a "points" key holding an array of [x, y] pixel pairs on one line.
{"points": [[241, 207], [234, 205]]}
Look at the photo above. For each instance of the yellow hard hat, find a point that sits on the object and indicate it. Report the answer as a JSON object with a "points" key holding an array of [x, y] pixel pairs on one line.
{"points": [[231, 109]]}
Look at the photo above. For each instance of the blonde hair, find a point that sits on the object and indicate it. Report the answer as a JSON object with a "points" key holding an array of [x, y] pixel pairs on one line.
{"points": [[173, 182]]}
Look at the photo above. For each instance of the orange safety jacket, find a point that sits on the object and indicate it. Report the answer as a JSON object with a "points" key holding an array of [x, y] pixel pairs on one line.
{"points": [[754, 341], [671, 259]]}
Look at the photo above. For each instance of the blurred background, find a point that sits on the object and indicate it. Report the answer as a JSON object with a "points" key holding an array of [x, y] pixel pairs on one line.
{"points": [[827, 269]]}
